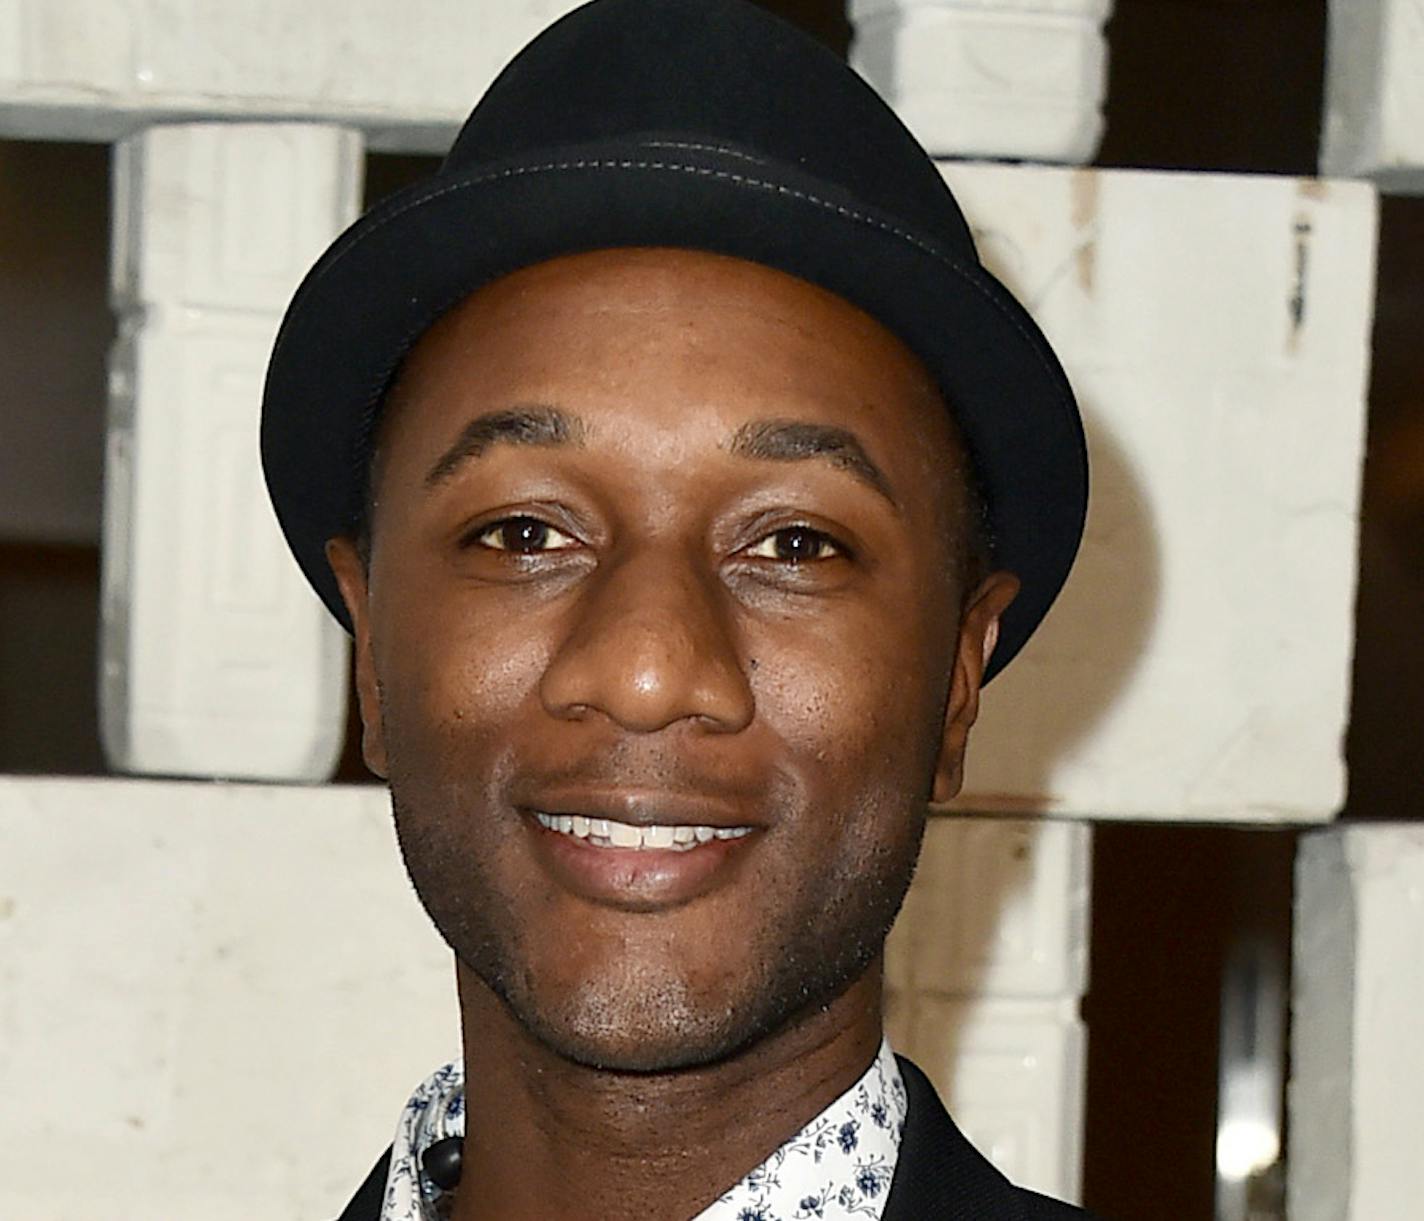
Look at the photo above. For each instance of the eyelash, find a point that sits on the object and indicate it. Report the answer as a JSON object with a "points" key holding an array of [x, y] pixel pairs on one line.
{"points": [[820, 536], [477, 536], [474, 537]]}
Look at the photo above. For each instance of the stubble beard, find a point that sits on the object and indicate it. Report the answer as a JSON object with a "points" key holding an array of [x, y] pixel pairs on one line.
{"points": [[646, 1017]]}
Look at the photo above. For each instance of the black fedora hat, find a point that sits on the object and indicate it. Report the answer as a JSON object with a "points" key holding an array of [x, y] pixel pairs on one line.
{"points": [[703, 124]]}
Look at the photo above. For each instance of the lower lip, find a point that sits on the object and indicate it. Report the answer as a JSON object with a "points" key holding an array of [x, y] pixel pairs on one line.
{"points": [[637, 878]]}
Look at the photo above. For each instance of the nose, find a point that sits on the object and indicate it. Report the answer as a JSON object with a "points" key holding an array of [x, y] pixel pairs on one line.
{"points": [[651, 643]]}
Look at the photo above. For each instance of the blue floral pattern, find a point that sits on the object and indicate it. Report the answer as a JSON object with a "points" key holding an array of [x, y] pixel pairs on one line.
{"points": [[435, 1111], [837, 1168]]}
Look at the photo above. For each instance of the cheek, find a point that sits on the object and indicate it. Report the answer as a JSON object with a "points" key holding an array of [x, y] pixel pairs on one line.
{"points": [[860, 702], [451, 667]]}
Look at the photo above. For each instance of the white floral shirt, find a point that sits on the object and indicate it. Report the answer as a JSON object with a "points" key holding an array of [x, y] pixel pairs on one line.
{"points": [[837, 1168]]}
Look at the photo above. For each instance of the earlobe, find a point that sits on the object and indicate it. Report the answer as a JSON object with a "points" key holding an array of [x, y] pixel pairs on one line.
{"points": [[351, 576], [978, 634]]}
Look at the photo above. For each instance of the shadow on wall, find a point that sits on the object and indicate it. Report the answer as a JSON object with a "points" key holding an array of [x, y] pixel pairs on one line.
{"points": [[1045, 707], [971, 932]]}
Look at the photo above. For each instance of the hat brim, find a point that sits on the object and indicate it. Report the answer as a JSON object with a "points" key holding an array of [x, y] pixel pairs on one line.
{"points": [[409, 260]]}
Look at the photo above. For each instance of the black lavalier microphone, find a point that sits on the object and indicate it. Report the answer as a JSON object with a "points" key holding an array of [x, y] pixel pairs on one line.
{"points": [[442, 1162]]}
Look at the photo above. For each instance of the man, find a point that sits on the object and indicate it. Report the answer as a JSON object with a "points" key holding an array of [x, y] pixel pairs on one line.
{"points": [[681, 477]]}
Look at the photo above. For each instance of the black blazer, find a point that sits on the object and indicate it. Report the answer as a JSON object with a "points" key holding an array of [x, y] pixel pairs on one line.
{"points": [[939, 1175]]}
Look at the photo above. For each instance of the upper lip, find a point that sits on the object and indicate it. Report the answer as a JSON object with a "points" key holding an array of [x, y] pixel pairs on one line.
{"points": [[640, 807]]}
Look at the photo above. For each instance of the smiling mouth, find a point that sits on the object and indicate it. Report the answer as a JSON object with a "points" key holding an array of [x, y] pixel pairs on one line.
{"points": [[610, 833]]}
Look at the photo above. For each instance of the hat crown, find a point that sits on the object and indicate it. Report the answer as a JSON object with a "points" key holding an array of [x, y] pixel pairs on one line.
{"points": [[719, 72], [706, 125]]}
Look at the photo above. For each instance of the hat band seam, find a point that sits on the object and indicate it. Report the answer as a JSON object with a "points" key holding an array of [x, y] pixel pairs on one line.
{"points": [[705, 172], [691, 146]]}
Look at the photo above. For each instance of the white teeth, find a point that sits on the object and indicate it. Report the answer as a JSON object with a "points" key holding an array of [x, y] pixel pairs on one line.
{"points": [[609, 833], [624, 836]]}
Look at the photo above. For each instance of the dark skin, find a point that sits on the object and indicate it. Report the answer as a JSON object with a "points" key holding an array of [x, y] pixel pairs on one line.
{"points": [[649, 596]]}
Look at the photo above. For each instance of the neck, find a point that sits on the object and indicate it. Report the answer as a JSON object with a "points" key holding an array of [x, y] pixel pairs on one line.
{"points": [[551, 1139]]}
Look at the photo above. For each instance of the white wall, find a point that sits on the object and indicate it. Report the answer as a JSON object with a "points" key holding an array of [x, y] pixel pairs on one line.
{"points": [[1357, 1087], [1374, 93], [406, 75], [214, 999], [1216, 328], [985, 971], [1022, 79]]}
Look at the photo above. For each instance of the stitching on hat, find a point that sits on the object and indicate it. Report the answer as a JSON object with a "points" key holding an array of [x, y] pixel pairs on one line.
{"points": [[691, 147], [705, 172], [702, 171]]}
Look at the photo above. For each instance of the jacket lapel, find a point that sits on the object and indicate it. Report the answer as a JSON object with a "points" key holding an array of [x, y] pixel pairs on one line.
{"points": [[366, 1203], [939, 1173]]}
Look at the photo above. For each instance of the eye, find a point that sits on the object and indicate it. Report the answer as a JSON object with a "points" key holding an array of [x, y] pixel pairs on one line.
{"points": [[796, 544], [521, 535]]}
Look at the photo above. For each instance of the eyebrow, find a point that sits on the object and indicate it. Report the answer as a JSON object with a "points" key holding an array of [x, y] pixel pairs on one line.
{"points": [[532, 425], [797, 440], [771, 440]]}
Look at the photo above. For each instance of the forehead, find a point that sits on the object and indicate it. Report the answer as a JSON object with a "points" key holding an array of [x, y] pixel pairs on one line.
{"points": [[674, 349]]}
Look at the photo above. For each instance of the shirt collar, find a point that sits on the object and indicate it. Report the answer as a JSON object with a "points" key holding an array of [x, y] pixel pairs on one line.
{"points": [[838, 1167]]}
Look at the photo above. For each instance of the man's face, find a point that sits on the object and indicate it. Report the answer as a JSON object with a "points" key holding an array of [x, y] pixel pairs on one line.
{"points": [[664, 539]]}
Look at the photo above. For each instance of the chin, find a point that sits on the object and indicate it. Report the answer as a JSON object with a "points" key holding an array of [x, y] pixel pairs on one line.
{"points": [[632, 1050], [649, 1018], [636, 1019]]}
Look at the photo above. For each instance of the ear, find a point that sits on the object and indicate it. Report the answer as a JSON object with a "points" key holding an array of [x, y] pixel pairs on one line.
{"points": [[350, 573], [978, 633]]}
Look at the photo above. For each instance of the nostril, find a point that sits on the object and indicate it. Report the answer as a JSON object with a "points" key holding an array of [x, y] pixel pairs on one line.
{"points": [[646, 648], [645, 695]]}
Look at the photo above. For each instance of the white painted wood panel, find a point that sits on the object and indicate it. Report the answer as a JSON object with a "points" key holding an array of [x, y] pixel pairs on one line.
{"points": [[1216, 328], [1010, 78], [406, 75], [1374, 93], [216, 657], [1356, 1094], [1020, 78], [985, 970], [214, 999]]}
